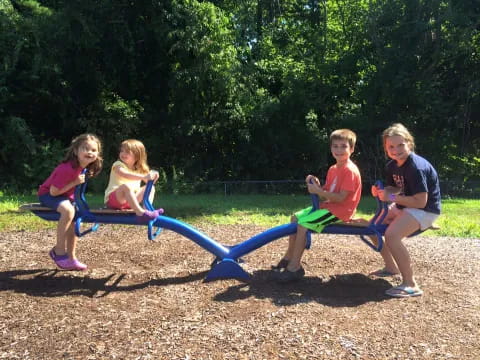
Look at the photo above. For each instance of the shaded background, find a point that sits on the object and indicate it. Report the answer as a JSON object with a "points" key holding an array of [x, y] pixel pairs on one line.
{"points": [[237, 90]]}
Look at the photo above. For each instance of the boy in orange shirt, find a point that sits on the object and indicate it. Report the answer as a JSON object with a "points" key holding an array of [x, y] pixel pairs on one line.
{"points": [[340, 194]]}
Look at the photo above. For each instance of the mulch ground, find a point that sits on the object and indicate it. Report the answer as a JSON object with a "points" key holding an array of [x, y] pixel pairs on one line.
{"points": [[147, 300]]}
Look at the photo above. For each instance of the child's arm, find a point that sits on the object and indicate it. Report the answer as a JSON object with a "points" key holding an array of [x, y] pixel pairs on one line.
{"points": [[54, 191], [314, 187], [123, 172], [330, 196], [391, 194]]}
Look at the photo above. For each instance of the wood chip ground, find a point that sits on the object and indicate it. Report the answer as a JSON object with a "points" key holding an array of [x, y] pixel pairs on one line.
{"points": [[147, 300]]}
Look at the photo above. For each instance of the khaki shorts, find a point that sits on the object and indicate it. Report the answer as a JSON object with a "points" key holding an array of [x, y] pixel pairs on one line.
{"points": [[315, 220]]}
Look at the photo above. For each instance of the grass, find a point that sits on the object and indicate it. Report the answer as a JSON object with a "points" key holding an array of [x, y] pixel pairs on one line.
{"points": [[460, 218]]}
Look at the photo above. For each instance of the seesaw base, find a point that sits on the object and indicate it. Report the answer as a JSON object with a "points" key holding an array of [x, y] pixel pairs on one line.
{"points": [[227, 269]]}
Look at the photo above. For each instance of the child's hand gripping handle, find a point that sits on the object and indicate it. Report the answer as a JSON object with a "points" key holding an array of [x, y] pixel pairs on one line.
{"points": [[315, 199], [377, 186], [82, 209]]}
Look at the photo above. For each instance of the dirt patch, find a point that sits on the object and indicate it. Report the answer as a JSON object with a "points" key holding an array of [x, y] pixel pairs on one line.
{"points": [[147, 300]]}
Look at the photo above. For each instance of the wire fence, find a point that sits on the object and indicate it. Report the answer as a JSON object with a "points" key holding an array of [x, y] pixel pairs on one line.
{"points": [[468, 189]]}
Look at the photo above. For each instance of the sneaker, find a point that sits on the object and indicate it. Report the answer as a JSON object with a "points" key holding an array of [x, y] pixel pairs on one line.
{"points": [[147, 216], [282, 265], [53, 255], [289, 276], [71, 264]]}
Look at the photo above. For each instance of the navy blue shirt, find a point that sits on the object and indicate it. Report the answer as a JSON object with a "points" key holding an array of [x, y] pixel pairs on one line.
{"points": [[416, 175]]}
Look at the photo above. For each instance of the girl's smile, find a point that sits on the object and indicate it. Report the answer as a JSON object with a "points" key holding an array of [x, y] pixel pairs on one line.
{"points": [[87, 153], [397, 148]]}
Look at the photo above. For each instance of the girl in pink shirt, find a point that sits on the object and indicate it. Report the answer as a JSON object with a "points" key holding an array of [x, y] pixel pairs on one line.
{"points": [[57, 193]]}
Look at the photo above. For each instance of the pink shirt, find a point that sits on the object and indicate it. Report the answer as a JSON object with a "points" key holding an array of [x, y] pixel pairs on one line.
{"points": [[61, 176], [345, 178]]}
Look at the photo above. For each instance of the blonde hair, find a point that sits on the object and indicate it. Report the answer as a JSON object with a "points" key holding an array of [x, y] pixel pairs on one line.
{"points": [[398, 129], [72, 153], [344, 134], [137, 148]]}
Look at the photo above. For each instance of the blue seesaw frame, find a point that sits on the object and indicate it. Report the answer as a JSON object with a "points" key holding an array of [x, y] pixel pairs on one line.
{"points": [[226, 263]]}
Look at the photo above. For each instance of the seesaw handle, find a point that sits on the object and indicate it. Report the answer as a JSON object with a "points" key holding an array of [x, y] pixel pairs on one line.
{"points": [[382, 206], [82, 208], [80, 201], [315, 206], [152, 233], [146, 196], [315, 200], [376, 222], [379, 184]]}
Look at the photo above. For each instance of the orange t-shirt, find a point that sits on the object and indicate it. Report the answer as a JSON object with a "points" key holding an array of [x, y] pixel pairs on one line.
{"points": [[345, 178]]}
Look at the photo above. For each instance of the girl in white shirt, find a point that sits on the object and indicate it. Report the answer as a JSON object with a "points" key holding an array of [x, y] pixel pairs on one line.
{"points": [[125, 190]]}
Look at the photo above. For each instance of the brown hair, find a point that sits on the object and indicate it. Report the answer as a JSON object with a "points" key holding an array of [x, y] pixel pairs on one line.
{"points": [[137, 148], [72, 153], [398, 129], [344, 134]]}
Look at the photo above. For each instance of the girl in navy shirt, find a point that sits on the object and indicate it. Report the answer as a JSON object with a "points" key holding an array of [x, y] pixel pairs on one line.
{"points": [[412, 186]]}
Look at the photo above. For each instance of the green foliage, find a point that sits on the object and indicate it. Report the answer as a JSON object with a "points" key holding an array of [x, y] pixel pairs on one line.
{"points": [[461, 168], [249, 89], [26, 160]]}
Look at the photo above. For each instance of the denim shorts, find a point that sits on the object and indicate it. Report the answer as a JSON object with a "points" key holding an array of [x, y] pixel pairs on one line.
{"points": [[52, 202]]}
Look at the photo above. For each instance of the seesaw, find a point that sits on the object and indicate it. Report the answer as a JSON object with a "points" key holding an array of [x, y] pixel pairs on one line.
{"points": [[226, 263]]}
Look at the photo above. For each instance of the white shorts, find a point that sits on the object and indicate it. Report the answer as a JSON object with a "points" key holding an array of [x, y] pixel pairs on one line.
{"points": [[424, 218]]}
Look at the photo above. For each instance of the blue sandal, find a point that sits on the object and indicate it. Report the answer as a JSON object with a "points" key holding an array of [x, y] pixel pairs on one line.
{"points": [[403, 291]]}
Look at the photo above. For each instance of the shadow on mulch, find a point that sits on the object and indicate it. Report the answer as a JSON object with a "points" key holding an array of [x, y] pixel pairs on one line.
{"points": [[43, 282], [345, 290]]}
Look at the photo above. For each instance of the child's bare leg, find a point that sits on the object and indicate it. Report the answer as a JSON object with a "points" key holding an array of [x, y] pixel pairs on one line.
{"points": [[390, 264], [67, 214], [291, 241], [126, 194], [141, 193], [401, 227], [298, 249], [71, 238]]}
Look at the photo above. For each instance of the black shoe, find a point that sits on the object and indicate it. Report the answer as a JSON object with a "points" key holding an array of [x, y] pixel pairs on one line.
{"points": [[282, 265], [289, 276]]}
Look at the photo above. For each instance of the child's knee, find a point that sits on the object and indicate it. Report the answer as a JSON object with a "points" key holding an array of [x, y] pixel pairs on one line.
{"points": [[124, 189], [66, 210]]}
